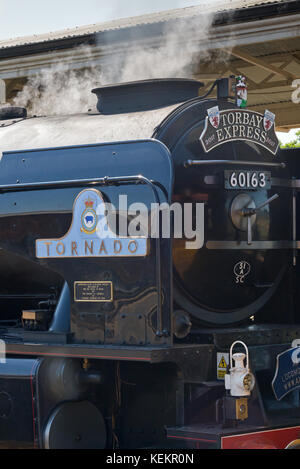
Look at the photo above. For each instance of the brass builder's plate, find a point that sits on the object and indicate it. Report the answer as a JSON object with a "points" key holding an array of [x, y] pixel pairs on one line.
{"points": [[93, 292]]}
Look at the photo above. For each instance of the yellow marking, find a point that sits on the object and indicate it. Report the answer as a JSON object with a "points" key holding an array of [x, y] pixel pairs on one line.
{"points": [[222, 363]]}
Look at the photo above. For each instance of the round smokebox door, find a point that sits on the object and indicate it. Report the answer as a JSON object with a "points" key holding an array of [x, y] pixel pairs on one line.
{"points": [[75, 425]]}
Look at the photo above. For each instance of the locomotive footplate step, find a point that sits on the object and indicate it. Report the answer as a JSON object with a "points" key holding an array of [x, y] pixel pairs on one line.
{"points": [[208, 435], [242, 436]]}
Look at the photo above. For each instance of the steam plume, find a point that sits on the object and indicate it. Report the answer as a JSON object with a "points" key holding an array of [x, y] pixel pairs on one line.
{"points": [[179, 47]]}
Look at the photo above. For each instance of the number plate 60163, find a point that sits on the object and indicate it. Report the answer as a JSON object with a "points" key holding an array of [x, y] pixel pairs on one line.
{"points": [[251, 180]]}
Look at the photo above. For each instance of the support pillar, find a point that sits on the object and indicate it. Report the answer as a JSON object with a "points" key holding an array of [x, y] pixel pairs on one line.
{"points": [[2, 92]]}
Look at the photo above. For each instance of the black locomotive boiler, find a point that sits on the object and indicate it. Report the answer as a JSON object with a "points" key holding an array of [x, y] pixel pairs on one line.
{"points": [[114, 340]]}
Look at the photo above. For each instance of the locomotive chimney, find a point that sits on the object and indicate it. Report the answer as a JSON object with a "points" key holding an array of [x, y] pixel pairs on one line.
{"points": [[145, 95]]}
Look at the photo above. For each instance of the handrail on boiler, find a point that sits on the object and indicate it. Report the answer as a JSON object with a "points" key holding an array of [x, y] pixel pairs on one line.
{"points": [[189, 163]]}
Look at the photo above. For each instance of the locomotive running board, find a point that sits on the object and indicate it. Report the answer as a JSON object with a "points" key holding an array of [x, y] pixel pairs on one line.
{"points": [[175, 353], [277, 335]]}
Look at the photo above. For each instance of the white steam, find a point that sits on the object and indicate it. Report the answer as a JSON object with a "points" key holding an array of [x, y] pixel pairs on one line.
{"points": [[174, 57], [175, 53], [60, 91]]}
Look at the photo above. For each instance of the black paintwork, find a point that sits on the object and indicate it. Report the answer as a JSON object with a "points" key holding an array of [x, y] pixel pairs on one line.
{"points": [[110, 354], [217, 298], [132, 317], [17, 407]]}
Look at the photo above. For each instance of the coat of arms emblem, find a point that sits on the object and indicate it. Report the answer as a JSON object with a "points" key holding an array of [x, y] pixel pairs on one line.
{"points": [[241, 92], [214, 116], [89, 218], [269, 120]]}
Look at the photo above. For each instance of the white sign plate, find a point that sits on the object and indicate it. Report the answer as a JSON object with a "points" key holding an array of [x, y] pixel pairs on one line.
{"points": [[90, 235]]}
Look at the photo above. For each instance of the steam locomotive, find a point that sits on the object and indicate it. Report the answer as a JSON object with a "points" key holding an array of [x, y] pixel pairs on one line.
{"points": [[127, 340]]}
